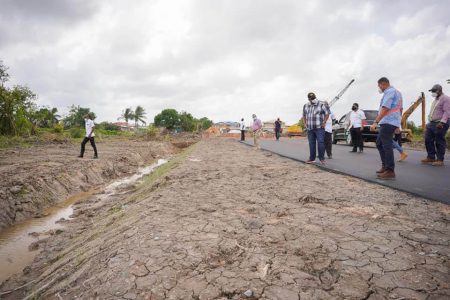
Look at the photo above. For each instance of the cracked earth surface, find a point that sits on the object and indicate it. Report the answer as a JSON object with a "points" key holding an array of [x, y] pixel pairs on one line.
{"points": [[229, 219]]}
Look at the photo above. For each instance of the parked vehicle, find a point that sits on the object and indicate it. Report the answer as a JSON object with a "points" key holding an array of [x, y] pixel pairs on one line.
{"points": [[342, 133]]}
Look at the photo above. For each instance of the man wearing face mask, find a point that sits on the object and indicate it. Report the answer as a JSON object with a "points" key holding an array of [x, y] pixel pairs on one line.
{"points": [[389, 117], [315, 116], [356, 117], [439, 119]]}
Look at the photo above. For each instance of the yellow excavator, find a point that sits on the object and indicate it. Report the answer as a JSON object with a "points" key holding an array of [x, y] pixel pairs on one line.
{"points": [[407, 133]]}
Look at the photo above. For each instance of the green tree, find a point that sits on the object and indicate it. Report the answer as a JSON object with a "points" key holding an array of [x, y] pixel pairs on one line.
{"points": [[204, 123], [187, 122], [139, 115], [75, 118], [301, 123], [168, 118], [46, 117], [4, 76], [108, 126], [127, 115], [17, 107]]}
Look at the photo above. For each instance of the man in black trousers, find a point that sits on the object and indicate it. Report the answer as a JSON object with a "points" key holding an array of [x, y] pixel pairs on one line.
{"points": [[356, 127], [89, 125]]}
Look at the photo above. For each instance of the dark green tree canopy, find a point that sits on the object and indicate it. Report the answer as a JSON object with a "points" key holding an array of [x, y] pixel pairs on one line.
{"points": [[75, 118], [168, 118]]}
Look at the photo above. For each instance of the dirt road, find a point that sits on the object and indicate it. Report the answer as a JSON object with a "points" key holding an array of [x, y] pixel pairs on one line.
{"points": [[230, 222]]}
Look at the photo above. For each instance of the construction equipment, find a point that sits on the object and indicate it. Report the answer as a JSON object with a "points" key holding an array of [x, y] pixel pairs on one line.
{"points": [[294, 130], [407, 133], [338, 96]]}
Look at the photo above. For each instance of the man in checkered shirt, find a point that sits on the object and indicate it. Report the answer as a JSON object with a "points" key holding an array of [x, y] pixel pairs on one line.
{"points": [[315, 116]]}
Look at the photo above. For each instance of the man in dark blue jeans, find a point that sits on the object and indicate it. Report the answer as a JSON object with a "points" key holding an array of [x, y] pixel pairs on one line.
{"points": [[385, 146], [389, 116], [315, 116], [316, 136]]}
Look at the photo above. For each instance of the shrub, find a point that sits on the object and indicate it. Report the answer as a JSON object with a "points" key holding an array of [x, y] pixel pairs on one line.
{"points": [[58, 128], [76, 132], [152, 131]]}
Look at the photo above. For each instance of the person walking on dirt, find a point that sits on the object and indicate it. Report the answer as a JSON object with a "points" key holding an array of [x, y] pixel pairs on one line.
{"points": [[315, 116], [256, 128], [277, 129], [356, 118], [89, 125], [242, 127], [389, 116], [329, 135], [437, 127]]}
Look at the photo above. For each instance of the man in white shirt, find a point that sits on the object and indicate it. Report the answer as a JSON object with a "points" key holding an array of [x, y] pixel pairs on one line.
{"points": [[328, 135], [242, 125], [89, 126], [356, 128]]}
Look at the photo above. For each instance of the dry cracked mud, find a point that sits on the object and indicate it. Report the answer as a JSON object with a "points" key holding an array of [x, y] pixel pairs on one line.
{"points": [[230, 220]]}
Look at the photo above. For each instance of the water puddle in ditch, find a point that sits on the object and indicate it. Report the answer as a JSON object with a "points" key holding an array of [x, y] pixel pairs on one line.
{"points": [[15, 240]]}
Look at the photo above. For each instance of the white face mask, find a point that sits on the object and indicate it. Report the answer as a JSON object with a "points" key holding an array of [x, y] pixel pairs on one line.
{"points": [[380, 91], [435, 95], [314, 101]]}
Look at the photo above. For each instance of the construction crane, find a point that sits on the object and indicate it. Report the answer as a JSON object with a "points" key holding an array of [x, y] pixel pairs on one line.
{"points": [[409, 111], [335, 99]]}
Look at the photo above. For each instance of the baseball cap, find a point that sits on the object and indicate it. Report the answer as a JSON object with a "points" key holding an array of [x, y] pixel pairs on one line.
{"points": [[311, 96], [435, 88]]}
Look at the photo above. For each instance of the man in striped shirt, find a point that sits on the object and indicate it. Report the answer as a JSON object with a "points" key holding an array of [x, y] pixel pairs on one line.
{"points": [[315, 116]]}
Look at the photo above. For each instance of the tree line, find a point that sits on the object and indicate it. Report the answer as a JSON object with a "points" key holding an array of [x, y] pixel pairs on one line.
{"points": [[20, 115]]}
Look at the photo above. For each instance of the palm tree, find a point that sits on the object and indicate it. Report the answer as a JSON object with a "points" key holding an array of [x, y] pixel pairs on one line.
{"points": [[53, 116], [139, 115], [127, 115]]}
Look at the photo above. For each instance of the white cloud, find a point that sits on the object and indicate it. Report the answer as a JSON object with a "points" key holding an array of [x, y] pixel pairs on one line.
{"points": [[223, 59]]}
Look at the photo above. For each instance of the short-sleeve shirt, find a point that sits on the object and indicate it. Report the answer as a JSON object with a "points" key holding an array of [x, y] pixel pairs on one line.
{"points": [[315, 114], [89, 124], [329, 124], [392, 100], [356, 118]]}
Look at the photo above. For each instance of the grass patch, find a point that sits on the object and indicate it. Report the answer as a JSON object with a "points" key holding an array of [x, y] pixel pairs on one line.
{"points": [[163, 169]]}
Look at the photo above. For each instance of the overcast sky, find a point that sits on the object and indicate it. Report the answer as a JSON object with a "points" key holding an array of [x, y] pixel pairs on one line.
{"points": [[223, 59]]}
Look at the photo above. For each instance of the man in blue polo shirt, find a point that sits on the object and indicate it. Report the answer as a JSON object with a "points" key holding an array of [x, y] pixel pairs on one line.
{"points": [[389, 117]]}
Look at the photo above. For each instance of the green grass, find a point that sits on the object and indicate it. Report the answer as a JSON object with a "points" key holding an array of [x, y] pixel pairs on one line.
{"points": [[165, 168]]}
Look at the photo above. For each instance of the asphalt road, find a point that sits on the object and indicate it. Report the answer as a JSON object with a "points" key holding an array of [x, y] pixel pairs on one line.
{"points": [[411, 176]]}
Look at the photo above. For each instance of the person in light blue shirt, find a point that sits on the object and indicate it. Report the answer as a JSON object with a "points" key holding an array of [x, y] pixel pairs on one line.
{"points": [[389, 117]]}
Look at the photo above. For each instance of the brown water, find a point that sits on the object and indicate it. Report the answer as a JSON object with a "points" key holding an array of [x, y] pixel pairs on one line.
{"points": [[15, 240]]}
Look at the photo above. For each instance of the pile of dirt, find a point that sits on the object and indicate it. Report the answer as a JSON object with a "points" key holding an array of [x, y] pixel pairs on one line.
{"points": [[233, 223], [38, 177]]}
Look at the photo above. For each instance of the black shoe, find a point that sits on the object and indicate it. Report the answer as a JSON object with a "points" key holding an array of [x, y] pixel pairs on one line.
{"points": [[353, 151], [95, 157], [330, 157], [361, 150], [80, 156]]}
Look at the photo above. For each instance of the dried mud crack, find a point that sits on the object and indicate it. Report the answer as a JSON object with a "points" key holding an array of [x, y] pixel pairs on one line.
{"points": [[229, 220]]}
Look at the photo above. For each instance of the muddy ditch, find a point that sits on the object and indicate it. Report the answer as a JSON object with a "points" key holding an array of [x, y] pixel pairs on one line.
{"points": [[41, 176]]}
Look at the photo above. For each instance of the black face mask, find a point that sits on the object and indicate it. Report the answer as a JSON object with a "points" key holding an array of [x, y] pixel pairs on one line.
{"points": [[354, 108]]}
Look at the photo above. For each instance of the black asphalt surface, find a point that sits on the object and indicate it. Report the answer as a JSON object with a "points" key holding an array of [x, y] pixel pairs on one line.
{"points": [[413, 177]]}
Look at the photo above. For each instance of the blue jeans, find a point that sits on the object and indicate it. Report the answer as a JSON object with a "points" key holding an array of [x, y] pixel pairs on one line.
{"points": [[385, 147], [435, 140], [397, 146], [317, 134]]}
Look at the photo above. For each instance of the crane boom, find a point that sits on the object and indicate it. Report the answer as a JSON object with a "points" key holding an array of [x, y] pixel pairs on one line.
{"points": [[338, 96]]}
